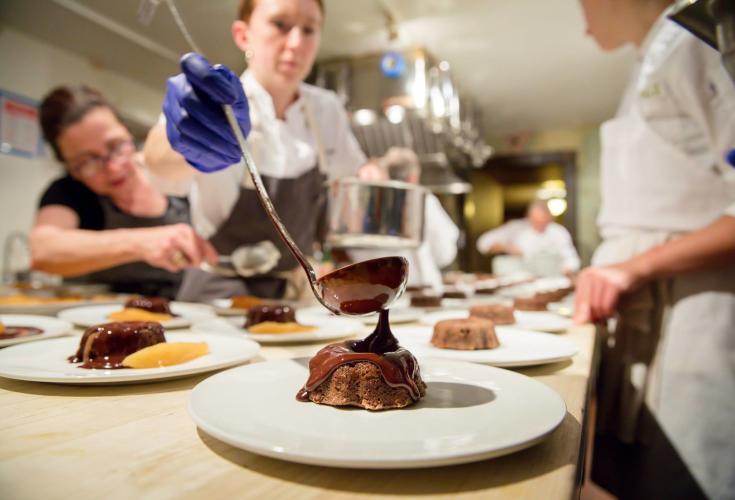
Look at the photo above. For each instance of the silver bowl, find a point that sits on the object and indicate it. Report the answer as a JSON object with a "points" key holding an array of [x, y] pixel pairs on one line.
{"points": [[375, 214]]}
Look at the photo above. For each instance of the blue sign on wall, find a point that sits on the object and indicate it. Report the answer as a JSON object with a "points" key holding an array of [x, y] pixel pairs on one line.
{"points": [[392, 64]]}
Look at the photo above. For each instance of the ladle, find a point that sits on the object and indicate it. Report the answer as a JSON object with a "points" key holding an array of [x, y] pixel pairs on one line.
{"points": [[357, 289]]}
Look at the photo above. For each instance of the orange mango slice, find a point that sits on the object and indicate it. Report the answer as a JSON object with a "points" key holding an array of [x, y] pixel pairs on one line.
{"points": [[135, 314], [274, 327], [166, 354]]}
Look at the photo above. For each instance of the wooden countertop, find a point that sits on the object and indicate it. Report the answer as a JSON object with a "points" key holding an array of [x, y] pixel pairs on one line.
{"points": [[137, 441]]}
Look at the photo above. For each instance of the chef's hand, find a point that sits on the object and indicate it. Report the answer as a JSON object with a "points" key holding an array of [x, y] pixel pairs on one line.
{"points": [[174, 247], [598, 290], [195, 123]]}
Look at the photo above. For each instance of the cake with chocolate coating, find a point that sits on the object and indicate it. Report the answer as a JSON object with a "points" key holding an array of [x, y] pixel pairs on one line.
{"points": [[105, 346], [465, 334], [158, 305], [530, 303], [425, 300], [498, 313], [276, 313], [374, 373]]}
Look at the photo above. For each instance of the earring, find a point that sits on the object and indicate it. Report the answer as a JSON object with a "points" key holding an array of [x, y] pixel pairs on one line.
{"points": [[248, 55]]}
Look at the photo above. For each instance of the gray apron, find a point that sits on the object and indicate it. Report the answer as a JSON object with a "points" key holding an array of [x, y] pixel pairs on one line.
{"points": [[140, 277], [299, 203]]}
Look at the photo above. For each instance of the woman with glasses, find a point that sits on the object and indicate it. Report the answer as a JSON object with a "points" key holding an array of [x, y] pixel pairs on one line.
{"points": [[103, 221]]}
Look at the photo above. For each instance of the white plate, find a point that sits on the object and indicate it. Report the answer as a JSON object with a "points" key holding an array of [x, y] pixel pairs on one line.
{"points": [[539, 321], [470, 413], [397, 315], [94, 315], [47, 361], [53, 308], [517, 347], [327, 329], [51, 327]]}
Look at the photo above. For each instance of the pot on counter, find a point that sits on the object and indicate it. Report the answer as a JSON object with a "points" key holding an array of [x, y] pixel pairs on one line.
{"points": [[375, 214]]}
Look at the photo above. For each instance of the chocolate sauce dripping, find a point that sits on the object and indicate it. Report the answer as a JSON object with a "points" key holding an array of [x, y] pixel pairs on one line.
{"points": [[397, 365], [381, 340]]}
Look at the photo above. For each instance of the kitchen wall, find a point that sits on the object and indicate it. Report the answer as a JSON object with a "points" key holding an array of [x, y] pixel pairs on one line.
{"points": [[31, 67], [584, 141]]}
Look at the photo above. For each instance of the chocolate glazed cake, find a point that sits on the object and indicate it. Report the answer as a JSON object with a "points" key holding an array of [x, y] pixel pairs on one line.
{"points": [[150, 304], [374, 373], [105, 346], [276, 313]]}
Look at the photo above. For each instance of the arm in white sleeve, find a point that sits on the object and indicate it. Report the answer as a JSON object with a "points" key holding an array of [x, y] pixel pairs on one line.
{"points": [[704, 91], [440, 232], [347, 155], [570, 257], [730, 210], [503, 235]]}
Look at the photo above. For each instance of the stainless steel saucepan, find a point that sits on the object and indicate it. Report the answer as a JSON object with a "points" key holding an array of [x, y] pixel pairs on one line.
{"points": [[375, 214]]}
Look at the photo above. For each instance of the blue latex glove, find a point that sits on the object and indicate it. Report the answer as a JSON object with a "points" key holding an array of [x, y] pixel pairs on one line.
{"points": [[731, 157], [195, 123]]}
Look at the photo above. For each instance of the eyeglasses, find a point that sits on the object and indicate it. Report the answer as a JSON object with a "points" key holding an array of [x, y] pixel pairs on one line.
{"points": [[91, 164]]}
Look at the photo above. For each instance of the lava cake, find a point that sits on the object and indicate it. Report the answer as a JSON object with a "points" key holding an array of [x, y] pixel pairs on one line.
{"points": [[425, 300], [530, 303], [158, 305], [105, 346], [277, 313], [498, 313], [465, 334], [374, 373]]}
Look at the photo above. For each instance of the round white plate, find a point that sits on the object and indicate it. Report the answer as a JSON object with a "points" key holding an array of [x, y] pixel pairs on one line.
{"points": [[517, 347], [540, 321], [397, 315], [88, 316], [47, 361], [51, 327], [327, 329], [470, 413], [53, 308]]}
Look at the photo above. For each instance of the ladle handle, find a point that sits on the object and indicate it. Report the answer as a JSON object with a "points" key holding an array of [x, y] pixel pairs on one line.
{"points": [[265, 200]]}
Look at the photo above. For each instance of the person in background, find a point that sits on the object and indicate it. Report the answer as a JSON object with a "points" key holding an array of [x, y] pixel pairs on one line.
{"points": [[441, 235], [533, 238], [103, 221], [300, 136], [666, 266]]}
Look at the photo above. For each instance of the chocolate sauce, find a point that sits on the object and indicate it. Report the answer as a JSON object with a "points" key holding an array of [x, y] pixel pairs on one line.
{"points": [[14, 332], [280, 313], [397, 365], [151, 304], [365, 287], [105, 346]]}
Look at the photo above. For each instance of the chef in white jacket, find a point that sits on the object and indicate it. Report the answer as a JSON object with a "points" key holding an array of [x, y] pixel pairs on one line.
{"points": [[666, 265], [545, 246], [441, 235]]}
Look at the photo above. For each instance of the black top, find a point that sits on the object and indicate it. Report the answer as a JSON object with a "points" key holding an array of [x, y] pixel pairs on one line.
{"points": [[98, 213], [71, 193]]}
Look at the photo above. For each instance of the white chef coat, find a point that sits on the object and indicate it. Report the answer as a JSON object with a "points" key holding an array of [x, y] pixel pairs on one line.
{"points": [[554, 239], [664, 173], [683, 94], [438, 250], [280, 148]]}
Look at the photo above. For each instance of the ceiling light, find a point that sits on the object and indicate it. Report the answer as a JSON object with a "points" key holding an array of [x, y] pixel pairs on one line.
{"points": [[395, 113], [557, 206], [364, 117]]}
